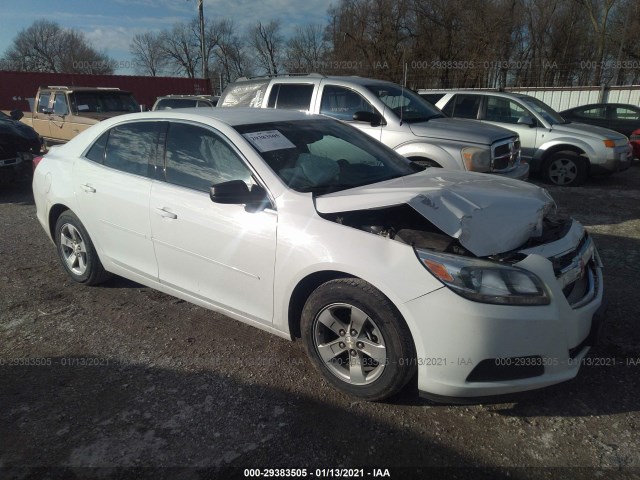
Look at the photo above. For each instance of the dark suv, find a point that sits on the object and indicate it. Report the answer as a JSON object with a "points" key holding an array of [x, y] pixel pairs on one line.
{"points": [[19, 144]]}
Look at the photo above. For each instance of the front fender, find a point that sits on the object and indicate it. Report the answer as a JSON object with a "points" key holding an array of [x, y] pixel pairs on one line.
{"points": [[571, 143], [432, 152]]}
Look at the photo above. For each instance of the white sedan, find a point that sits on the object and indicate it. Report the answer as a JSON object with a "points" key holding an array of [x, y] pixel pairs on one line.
{"points": [[305, 227]]}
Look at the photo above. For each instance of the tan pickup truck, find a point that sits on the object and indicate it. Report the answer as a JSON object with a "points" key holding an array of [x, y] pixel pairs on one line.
{"points": [[60, 113]]}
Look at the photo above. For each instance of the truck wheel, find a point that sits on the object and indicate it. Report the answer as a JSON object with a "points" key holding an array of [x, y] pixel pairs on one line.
{"points": [[357, 339], [565, 169], [76, 251]]}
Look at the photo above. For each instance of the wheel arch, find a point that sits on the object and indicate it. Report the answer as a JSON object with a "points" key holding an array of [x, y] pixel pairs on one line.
{"points": [[562, 147], [305, 287], [54, 213], [301, 293], [435, 153], [423, 158]]}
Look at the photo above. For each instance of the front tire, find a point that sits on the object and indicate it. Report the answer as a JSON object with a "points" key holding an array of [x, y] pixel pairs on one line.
{"points": [[76, 251], [357, 339], [566, 169]]}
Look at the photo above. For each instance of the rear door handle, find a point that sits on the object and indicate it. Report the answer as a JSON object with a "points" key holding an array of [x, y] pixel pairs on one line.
{"points": [[88, 188], [164, 212]]}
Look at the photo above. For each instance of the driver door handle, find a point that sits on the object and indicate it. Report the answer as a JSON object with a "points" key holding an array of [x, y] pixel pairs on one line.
{"points": [[88, 188], [164, 212]]}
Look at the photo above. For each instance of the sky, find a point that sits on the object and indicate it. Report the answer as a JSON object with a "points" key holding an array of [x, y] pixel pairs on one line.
{"points": [[111, 24]]}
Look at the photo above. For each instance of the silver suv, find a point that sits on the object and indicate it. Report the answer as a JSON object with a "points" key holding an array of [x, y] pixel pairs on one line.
{"points": [[565, 153], [397, 117]]}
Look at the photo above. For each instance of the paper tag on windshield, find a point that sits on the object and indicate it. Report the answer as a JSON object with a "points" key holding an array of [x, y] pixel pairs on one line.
{"points": [[268, 141]]}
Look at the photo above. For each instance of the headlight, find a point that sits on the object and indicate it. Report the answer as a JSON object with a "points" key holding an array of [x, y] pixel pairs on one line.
{"points": [[476, 159], [485, 281]]}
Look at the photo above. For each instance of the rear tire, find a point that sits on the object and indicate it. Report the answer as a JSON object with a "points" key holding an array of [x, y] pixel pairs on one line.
{"points": [[76, 251], [565, 169], [357, 339]]}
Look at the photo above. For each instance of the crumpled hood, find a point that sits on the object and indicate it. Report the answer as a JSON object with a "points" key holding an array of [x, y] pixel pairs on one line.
{"points": [[456, 129], [487, 214], [592, 131]]}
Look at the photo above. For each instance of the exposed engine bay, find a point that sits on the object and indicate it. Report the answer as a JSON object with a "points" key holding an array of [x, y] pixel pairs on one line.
{"points": [[401, 223], [404, 224]]}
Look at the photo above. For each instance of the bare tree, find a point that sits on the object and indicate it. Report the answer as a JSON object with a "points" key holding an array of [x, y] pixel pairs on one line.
{"points": [[148, 54], [230, 55], [306, 49], [625, 42], [181, 48], [47, 47], [267, 42], [598, 11]]}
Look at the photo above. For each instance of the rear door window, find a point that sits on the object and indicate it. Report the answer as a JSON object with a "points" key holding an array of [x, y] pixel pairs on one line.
{"points": [[465, 106], [291, 96], [593, 113], [132, 146], [624, 113]]}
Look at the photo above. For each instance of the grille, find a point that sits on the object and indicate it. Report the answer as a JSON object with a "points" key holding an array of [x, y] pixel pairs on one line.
{"points": [[576, 272], [505, 155]]}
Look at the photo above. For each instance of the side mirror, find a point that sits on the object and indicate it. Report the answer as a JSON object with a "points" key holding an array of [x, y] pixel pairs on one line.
{"points": [[16, 114], [527, 120], [369, 117], [236, 192]]}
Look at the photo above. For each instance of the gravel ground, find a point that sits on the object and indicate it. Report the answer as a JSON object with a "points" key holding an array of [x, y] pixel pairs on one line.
{"points": [[120, 380]]}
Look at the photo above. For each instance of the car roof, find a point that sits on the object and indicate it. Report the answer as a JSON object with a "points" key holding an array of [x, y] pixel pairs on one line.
{"points": [[596, 105], [230, 116], [189, 97], [499, 93], [315, 77]]}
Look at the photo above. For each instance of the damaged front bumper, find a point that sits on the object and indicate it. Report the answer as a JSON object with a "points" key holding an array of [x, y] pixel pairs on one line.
{"points": [[485, 350]]}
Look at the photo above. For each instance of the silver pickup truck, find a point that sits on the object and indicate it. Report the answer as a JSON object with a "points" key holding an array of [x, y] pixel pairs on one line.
{"points": [[396, 116]]}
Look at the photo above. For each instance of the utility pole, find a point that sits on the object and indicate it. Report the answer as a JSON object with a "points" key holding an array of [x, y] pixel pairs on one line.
{"points": [[202, 49]]}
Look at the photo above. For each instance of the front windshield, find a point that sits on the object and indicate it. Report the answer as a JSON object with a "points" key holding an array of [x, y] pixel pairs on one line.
{"points": [[103, 102], [323, 156], [544, 110], [406, 104]]}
